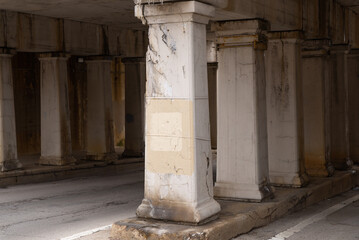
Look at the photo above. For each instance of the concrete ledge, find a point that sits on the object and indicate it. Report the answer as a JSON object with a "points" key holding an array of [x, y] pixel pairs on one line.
{"points": [[238, 217], [36, 174]]}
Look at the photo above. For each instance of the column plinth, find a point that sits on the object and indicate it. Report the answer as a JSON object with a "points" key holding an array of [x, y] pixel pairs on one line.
{"points": [[56, 148], [285, 109], [8, 144], [242, 151], [178, 160]]}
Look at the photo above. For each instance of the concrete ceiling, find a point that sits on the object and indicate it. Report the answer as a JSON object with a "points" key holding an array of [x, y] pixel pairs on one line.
{"points": [[107, 12]]}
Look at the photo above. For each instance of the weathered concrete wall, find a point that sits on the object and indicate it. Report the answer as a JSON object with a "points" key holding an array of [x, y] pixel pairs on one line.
{"points": [[32, 33]]}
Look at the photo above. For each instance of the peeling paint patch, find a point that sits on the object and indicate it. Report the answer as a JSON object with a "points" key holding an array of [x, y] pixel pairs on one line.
{"points": [[170, 136]]}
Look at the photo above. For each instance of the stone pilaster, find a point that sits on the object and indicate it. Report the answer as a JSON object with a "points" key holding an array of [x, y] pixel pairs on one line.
{"points": [[316, 114], [285, 109], [56, 148], [339, 106], [8, 145], [135, 87], [99, 139], [242, 152], [178, 174]]}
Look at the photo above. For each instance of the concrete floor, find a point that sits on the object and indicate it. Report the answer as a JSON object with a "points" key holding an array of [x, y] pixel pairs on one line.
{"points": [[63, 209], [342, 224], [60, 209]]}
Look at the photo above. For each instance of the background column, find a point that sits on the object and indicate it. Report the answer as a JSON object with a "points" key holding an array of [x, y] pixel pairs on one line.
{"points": [[242, 153], [178, 174], [353, 108], [99, 119], [339, 118], [212, 67], [8, 145], [135, 88], [285, 109], [55, 113], [316, 113]]}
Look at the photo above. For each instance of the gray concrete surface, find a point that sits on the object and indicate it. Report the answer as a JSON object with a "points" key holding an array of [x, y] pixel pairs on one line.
{"points": [[61, 209], [342, 224]]}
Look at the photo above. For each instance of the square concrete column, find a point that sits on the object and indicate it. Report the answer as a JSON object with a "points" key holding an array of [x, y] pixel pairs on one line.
{"points": [[99, 137], [135, 87], [285, 109], [8, 144], [242, 151], [316, 114], [178, 161], [353, 86], [339, 118], [56, 146]]}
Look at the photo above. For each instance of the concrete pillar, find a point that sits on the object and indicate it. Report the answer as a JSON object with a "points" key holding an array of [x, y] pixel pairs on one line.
{"points": [[8, 144], [353, 86], [212, 67], [178, 176], [242, 153], [212, 96], [285, 109], [56, 146], [316, 114], [135, 87], [118, 104], [339, 118], [99, 137]]}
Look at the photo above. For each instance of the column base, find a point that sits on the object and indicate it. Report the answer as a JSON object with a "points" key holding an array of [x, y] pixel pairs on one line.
{"points": [[132, 154], [10, 165], [178, 211], [57, 161], [343, 164], [288, 180], [105, 157], [320, 171], [243, 192]]}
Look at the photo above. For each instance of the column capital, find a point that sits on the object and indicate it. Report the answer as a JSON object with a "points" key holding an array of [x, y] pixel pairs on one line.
{"points": [[340, 48], [7, 51], [175, 12], [52, 55], [215, 3], [104, 58], [132, 60], [241, 33], [288, 36], [315, 47]]}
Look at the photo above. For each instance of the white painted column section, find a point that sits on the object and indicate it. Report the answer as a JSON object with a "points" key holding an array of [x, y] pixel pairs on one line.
{"points": [[99, 119], [242, 153], [8, 144], [316, 108], [135, 87], [178, 176], [55, 113], [285, 109], [339, 100]]}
